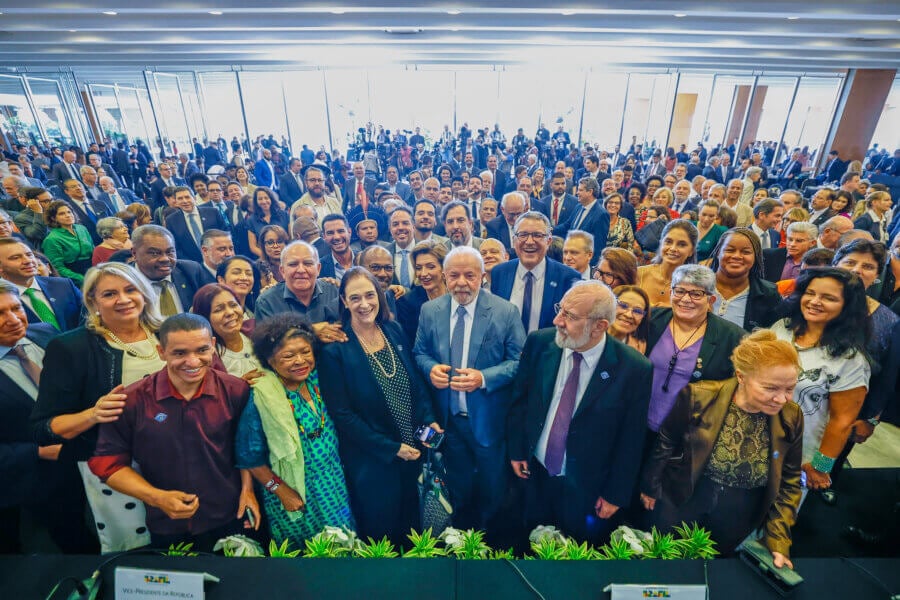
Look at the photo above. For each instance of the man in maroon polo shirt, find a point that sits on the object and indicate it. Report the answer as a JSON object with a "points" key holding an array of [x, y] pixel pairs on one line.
{"points": [[179, 425]]}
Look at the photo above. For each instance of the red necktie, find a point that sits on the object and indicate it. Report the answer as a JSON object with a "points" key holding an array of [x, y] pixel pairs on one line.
{"points": [[361, 196], [555, 210]]}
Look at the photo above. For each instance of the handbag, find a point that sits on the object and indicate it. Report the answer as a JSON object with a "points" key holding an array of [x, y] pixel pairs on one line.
{"points": [[435, 509]]}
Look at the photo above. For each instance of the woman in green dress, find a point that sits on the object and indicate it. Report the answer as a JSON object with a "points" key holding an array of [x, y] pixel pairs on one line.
{"points": [[709, 231], [286, 438], [68, 245]]}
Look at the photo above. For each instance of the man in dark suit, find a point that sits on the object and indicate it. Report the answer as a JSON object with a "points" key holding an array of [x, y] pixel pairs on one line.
{"points": [[290, 186], [155, 257], [32, 481], [833, 169], [118, 198], [215, 199], [766, 215], [682, 201], [784, 263], [66, 169], [189, 222], [121, 165], [788, 176], [394, 185], [213, 156], [165, 179], [875, 219], [467, 346], [356, 186], [579, 416], [512, 206], [87, 211], [500, 179], [336, 233], [590, 217], [533, 282], [52, 300], [186, 167], [820, 206], [712, 170], [560, 205]]}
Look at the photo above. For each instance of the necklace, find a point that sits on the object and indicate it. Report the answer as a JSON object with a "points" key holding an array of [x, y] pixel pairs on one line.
{"points": [[374, 357], [129, 347], [316, 407], [665, 288], [678, 349]]}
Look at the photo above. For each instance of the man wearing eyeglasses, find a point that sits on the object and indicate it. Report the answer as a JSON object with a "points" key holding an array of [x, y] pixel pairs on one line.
{"points": [[533, 282], [590, 217], [578, 417]]}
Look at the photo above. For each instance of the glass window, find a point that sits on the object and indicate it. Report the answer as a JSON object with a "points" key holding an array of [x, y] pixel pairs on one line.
{"points": [[647, 114], [191, 100], [404, 99], [307, 117], [561, 101], [773, 96], [170, 111], [603, 109], [16, 118], [477, 103], [730, 98], [109, 115], [811, 117], [263, 104], [348, 104], [520, 103], [887, 132], [222, 105], [135, 107], [689, 124], [48, 104]]}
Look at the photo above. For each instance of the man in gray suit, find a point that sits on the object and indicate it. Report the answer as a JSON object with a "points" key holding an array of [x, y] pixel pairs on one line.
{"points": [[458, 226], [468, 346]]}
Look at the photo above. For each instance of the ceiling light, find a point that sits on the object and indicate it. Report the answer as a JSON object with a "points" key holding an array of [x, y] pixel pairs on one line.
{"points": [[215, 12], [454, 29], [793, 18], [73, 30], [337, 11], [453, 11], [679, 15], [567, 13], [111, 13]]}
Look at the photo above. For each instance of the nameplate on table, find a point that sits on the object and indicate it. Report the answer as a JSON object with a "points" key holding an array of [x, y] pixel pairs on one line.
{"points": [[134, 584], [632, 591]]}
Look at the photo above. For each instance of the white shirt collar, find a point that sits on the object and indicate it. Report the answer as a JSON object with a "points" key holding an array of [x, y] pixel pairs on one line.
{"points": [[538, 271], [470, 307], [591, 356]]}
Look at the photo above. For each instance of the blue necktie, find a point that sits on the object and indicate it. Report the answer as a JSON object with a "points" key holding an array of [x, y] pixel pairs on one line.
{"points": [[195, 229], [457, 340], [527, 298], [404, 268]]}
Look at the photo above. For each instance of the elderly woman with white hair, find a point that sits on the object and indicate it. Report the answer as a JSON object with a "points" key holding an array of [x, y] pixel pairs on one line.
{"points": [[687, 342], [751, 180], [115, 235]]}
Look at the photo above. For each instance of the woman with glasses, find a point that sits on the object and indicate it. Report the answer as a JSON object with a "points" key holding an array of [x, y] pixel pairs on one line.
{"points": [[632, 324], [616, 267], [620, 232], [743, 297], [791, 216], [115, 235], [274, 239], [687, 342], [728, 455], [677, 247], [827, 323]]}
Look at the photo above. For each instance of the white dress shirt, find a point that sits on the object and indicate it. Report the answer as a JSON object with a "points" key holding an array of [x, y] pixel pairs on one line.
{"points": [[764, 238], [37, 291], [467, 336], [537, 298], [590, 358], [398, 261], [10, 365]]}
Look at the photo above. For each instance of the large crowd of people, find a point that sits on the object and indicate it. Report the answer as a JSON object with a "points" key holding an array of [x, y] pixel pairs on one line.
{"points": [[234, 338]]}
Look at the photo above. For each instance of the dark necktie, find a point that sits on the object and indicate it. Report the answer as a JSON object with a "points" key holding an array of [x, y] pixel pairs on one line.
{"points": [[404, 269], [527, 298], [29, 366], [457, 340], [43, 312], [559, 430]]}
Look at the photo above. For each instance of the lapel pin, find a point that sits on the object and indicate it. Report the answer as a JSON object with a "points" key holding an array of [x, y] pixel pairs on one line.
{"points": [[52, 299], [399, 347], [604, 375], [696, 374], [552, 284], [699, 363], [775, 454]]}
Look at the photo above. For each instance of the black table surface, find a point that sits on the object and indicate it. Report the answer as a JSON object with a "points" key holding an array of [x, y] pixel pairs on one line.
{"points": [[32, 577]]}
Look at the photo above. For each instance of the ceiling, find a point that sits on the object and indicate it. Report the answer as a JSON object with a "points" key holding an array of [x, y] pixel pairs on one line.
{"points": [[807, 36]]}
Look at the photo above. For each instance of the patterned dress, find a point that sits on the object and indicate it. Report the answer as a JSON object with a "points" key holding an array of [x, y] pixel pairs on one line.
{"points": [[327, 500]]}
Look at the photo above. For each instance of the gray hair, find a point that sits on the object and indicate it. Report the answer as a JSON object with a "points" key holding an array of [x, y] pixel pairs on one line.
{"points": [[150, 315], [8, 288], [584, 236], [698, 275], [507, 195], [590, 184], [533, 215], [138, 235], [312, 249], [753, 171], [804, 227], [108, 225], [464, 251], [604, 301]]}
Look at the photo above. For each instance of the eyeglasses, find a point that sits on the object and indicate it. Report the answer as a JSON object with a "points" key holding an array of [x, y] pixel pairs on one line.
{"points": [[5, 222], [271, 243], [695, 295], [381, 268], [537, 236], [638, 312], [315, 180], [566, 314], [606, 276]]}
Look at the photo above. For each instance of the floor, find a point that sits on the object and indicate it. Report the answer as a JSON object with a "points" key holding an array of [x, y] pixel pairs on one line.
{"points": [[880, 450]]}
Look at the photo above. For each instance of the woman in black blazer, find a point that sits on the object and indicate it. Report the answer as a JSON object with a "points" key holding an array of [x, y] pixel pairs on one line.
{"points": [[377, 399], [738, 263], [428, 261]]}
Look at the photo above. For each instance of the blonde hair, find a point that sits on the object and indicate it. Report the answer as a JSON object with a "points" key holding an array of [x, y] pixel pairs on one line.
{"points": [[150, 315], [762, 349]]}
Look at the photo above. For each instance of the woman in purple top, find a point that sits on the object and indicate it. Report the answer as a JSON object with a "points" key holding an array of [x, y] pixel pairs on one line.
{"points": [[687, 343]]}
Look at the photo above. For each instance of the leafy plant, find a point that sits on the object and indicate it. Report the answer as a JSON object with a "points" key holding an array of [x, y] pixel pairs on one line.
{"points": [[575, 551], [507, 554], [383, 548], [181, 549], [695, 541], [239, 546], [548, 548], [321, 546], [616, 550], [281, 551], [661, 546], [472, 546], [424, 545]]}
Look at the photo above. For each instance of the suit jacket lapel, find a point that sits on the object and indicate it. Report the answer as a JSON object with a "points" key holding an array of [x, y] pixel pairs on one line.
{"points": [[479, 327], [713, 417], [604, 375]]}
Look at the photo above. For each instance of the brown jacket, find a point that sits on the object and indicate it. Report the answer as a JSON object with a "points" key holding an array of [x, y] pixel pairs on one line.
{"points": [[686, 440]]}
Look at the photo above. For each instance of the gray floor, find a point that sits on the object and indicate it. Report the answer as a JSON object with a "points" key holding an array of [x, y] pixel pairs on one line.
{"points": [[880, 450]]}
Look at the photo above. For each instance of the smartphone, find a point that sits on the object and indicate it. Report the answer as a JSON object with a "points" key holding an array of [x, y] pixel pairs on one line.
{"points": [[251, 518], [427, 435]]}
